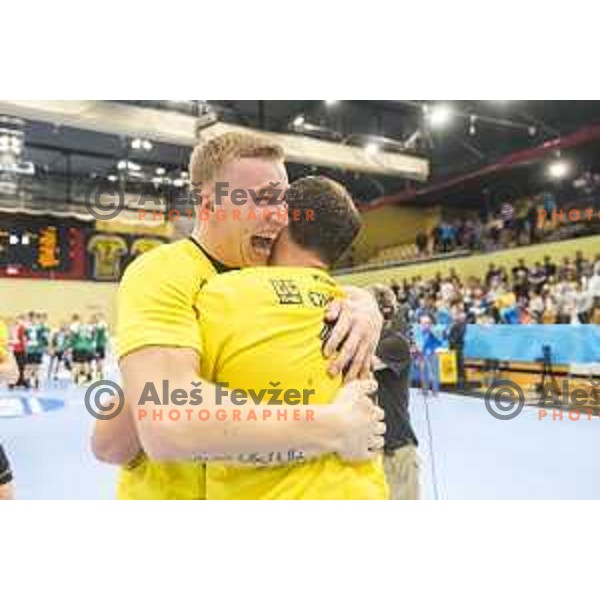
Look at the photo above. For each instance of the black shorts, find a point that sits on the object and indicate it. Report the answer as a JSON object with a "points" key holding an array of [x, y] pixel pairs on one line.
{"points": [[81, 356], [34, 358], [100, 353], [5, 471]]}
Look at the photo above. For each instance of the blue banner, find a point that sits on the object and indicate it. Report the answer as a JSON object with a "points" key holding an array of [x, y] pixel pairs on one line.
{"points": [[568, 343]]}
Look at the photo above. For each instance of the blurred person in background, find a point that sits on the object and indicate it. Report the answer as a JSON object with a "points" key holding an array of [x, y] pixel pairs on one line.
{"points": [[427, 343], [58, 348], [456, 339], [81, 344], [100, 333], [549, 267], [421, 242], [18, 346], [34, 349], [391, 368]]}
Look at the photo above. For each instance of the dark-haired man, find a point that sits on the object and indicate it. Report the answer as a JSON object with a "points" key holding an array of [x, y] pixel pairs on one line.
{"points": [[263, 327]]}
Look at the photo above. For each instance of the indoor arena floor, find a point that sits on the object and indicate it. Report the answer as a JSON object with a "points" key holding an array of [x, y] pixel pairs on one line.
{"points": [[469, 455]]}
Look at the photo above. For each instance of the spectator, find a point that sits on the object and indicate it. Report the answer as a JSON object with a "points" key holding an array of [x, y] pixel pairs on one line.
{"points": [[567, 270], [447, 236], [436, 239], [427, 344], [581, 265], [520, 269], [421, 242], [456, 340], [521, 287], [537, 277], [549, 266], [594, 283], [492, 273], [532, 222], [392, 365], [536, 307]]}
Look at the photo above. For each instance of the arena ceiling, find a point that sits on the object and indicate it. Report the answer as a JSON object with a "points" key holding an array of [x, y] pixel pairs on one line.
{"points": [[477, 134]]}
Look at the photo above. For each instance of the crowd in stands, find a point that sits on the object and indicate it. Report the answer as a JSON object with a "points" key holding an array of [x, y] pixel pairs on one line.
{"points": [[543, 292], [77, 348], [525, 222], [434, 313], [528, 220]]}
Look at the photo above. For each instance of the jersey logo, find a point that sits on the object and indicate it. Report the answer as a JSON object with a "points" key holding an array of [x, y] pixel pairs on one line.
{"points": [[287, 291], [319, 299]]}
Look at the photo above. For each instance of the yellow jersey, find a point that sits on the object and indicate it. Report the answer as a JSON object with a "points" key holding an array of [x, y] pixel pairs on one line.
{"points": [[262, 328], [3, 340], [158, 305]]}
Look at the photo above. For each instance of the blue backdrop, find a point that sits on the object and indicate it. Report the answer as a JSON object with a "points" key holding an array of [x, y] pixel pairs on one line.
{"points": [[569, 343]]}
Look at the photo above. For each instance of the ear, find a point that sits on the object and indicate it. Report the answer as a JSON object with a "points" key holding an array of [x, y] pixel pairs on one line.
{"points": [[207, 199]]}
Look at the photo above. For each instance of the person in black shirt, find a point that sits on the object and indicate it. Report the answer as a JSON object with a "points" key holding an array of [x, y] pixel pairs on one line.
{"points": [[549, 267], [520, 270], [6, 492], [521, 287], [537, 277], [421, 242], [493, 272], [456, 340], [392, 367]]}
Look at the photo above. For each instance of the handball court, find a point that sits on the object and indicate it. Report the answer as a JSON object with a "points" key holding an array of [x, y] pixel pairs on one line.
{"points": [[466, 453]]}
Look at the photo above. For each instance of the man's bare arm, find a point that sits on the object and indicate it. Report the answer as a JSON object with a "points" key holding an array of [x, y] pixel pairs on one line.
{"points": [[9, 372], [115, 441], [6, 491], [352, 426]]}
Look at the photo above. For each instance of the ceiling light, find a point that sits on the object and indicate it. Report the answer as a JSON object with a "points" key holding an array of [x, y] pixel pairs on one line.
{"points": [[558, 169], [439, 115], [472, 129], [299, 121], [122, 165]]}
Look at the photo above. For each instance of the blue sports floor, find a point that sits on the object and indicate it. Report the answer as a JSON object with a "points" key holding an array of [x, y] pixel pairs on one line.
{"points": [[470, 455]]}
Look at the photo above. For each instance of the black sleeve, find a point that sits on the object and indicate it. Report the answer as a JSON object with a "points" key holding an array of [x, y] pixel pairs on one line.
{"points": [[5, 472]]}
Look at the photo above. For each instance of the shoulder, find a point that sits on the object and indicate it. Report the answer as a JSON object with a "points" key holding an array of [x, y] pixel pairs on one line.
{"points": [[178, 266], [165, 259]]}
